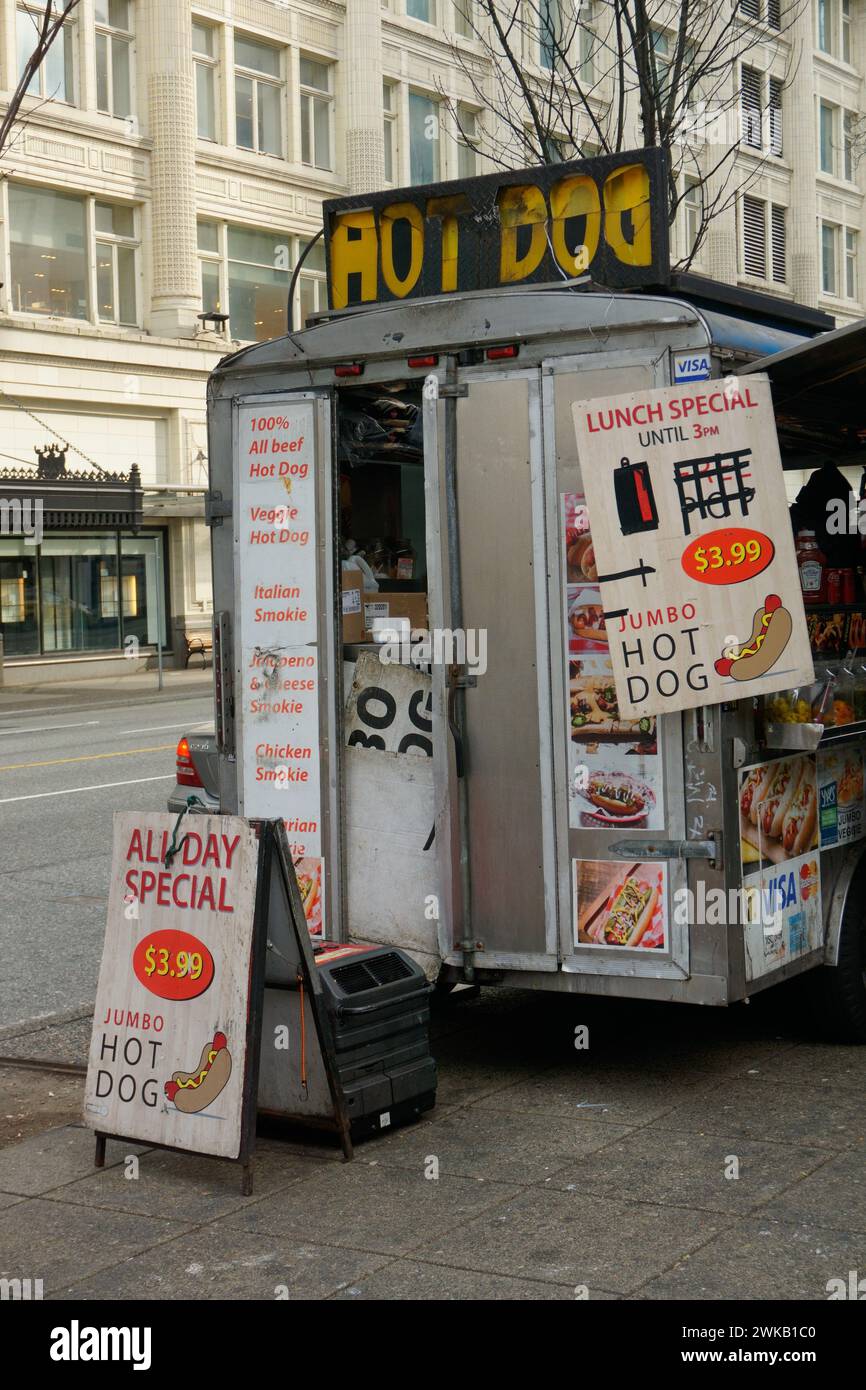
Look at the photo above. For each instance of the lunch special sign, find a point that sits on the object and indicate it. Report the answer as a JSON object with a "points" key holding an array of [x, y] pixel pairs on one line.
{"points": [[693, 545], [168, 1055]]}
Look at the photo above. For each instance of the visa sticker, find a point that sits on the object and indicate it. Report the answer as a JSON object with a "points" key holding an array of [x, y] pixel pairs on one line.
{"points": [[691, 366]]}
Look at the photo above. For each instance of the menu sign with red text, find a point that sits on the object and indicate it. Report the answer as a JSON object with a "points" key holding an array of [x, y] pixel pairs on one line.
{"points": [[168, 1053], [277, 645], [693, 545]]}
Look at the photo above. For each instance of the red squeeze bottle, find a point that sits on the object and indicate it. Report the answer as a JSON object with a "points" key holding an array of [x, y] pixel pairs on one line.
{"points": [[811, 564]]}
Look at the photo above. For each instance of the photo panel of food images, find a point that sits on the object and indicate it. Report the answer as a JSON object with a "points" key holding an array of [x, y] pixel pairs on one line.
{"points": [[615, 772]]}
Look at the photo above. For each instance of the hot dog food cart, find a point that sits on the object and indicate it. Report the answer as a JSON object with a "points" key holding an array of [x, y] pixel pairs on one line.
{"points": [[509, 618]]}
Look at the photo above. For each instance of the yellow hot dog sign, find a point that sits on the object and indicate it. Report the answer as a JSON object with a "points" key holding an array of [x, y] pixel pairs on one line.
{"points": [[606, 217]]}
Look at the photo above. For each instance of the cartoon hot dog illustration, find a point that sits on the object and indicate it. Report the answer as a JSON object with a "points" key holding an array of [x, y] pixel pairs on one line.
{"points": [[771, 630], [192, 1091]]}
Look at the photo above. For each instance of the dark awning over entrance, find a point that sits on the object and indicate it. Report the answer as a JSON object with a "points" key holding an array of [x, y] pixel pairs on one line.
{"points": [[76, 501]]}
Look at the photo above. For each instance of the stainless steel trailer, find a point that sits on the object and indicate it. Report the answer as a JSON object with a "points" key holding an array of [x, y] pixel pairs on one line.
{"points": [[465, 858]]}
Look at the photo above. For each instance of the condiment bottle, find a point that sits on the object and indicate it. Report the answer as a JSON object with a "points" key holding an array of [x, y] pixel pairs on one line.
{"points": [[810, 563]]}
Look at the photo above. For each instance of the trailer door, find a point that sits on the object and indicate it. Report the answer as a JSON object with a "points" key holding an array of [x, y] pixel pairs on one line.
{"points": [[488, 590]]}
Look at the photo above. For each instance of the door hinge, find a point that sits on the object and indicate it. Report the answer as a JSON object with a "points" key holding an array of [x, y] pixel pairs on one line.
{"points": [[215, 508]]}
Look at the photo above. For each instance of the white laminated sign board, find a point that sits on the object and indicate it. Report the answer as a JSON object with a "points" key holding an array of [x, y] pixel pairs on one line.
{"points": [[169, 1050], [693, 545], [277, 651]]}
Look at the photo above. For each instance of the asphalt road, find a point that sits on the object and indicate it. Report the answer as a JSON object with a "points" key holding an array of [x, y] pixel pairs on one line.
{"points": [[62, 776]]}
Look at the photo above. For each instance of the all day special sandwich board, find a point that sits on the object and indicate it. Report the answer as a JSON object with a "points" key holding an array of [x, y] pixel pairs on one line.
{"points": [[693, 545], [177, 1026]]}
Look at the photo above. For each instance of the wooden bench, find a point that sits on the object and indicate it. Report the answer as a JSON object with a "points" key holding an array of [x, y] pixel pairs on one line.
{"points": [[198, 644]]}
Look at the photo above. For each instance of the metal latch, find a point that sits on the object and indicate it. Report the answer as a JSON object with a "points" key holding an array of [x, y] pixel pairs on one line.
{"points": [[710, 849], [215, 508], [453, 390]]}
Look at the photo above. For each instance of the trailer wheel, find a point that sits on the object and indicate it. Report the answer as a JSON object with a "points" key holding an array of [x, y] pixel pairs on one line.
{"points": [[840, 990]]}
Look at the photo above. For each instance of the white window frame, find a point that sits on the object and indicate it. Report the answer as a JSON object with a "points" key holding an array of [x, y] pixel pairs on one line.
{"points": [[72, 26], [391, 130], [432, 9], [691, 207], [308, 97], [460, 9], [212, 65], [91, 237], [436, 104], [109, 32], [220, 258], [766, 207], [834, 110], [835, 228], [318, 278], [850, 258], [114, 240], [265, 79]]}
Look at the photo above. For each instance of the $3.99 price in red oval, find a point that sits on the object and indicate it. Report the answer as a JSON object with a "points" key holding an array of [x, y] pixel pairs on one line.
{"points": [[173, 965], [728, 556]]}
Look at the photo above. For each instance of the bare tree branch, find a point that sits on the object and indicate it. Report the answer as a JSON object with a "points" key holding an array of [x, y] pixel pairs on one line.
{"points": [[48, 20]]}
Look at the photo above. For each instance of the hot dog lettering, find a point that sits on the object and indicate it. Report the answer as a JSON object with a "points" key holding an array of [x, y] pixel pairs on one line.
{"points": [[771, 631]]}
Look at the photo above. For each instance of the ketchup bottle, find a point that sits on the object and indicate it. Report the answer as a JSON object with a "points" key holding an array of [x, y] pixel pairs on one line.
{"points": [[811, 564]]}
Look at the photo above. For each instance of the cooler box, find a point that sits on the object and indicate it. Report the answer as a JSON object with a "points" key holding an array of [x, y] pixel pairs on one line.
{"points": [[379, 1002]]}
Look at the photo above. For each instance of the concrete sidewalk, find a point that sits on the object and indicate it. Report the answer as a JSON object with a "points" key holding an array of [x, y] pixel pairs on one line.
{"points": [[105, 691], [610, 1168]]}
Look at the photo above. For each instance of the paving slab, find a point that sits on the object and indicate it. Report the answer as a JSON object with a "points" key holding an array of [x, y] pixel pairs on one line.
{"points": [[369, 1206], [67, 1043], [408, 1280], [47, 1161], [759, 1259], [755, 1108], [59, 1243], [623, 1098], [817, 1066], [216, 1263], [179, 1185], [688, 1170], [10, 1199], [481, 1143], [574, 1238], [834, 1196]]}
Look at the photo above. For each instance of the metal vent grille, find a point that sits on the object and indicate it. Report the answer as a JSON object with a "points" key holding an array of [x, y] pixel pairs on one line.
{"points": [[354, 978], [361, 975], [387, 969]]}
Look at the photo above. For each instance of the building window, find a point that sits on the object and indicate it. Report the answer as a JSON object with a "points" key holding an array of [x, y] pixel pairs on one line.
{"points": [[750, 107], [661, 57], [778, 245], [259, 91], [114, 56], [757, 237], [850, 264], [312, 288], [691, 213], [774, 109], [316, 103], [248, 271], [751, 8], [389, 130], [845, 31], [827, 137], [849, 130], [55, 78], [549, 33], [774, 14], [467, 149], [116, 262], [587, 57], [834, 28], [423, 139], [205, 56], [464, 18], [421, 9], [828, 257], [48, 252], [79, 593]]}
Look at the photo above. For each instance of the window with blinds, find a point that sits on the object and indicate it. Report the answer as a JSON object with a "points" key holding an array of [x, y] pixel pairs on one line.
{"points": [[774, 14], [775, 112], [751, 8], [754, 237], [777, 244], [750, 107]]}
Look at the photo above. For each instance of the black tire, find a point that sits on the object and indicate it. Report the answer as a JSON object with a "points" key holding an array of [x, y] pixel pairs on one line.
{"points": [[840, 990]]}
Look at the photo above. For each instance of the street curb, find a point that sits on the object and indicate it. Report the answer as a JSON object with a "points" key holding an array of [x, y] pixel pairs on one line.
{"points": [[38, 1025], [118, 701]]}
